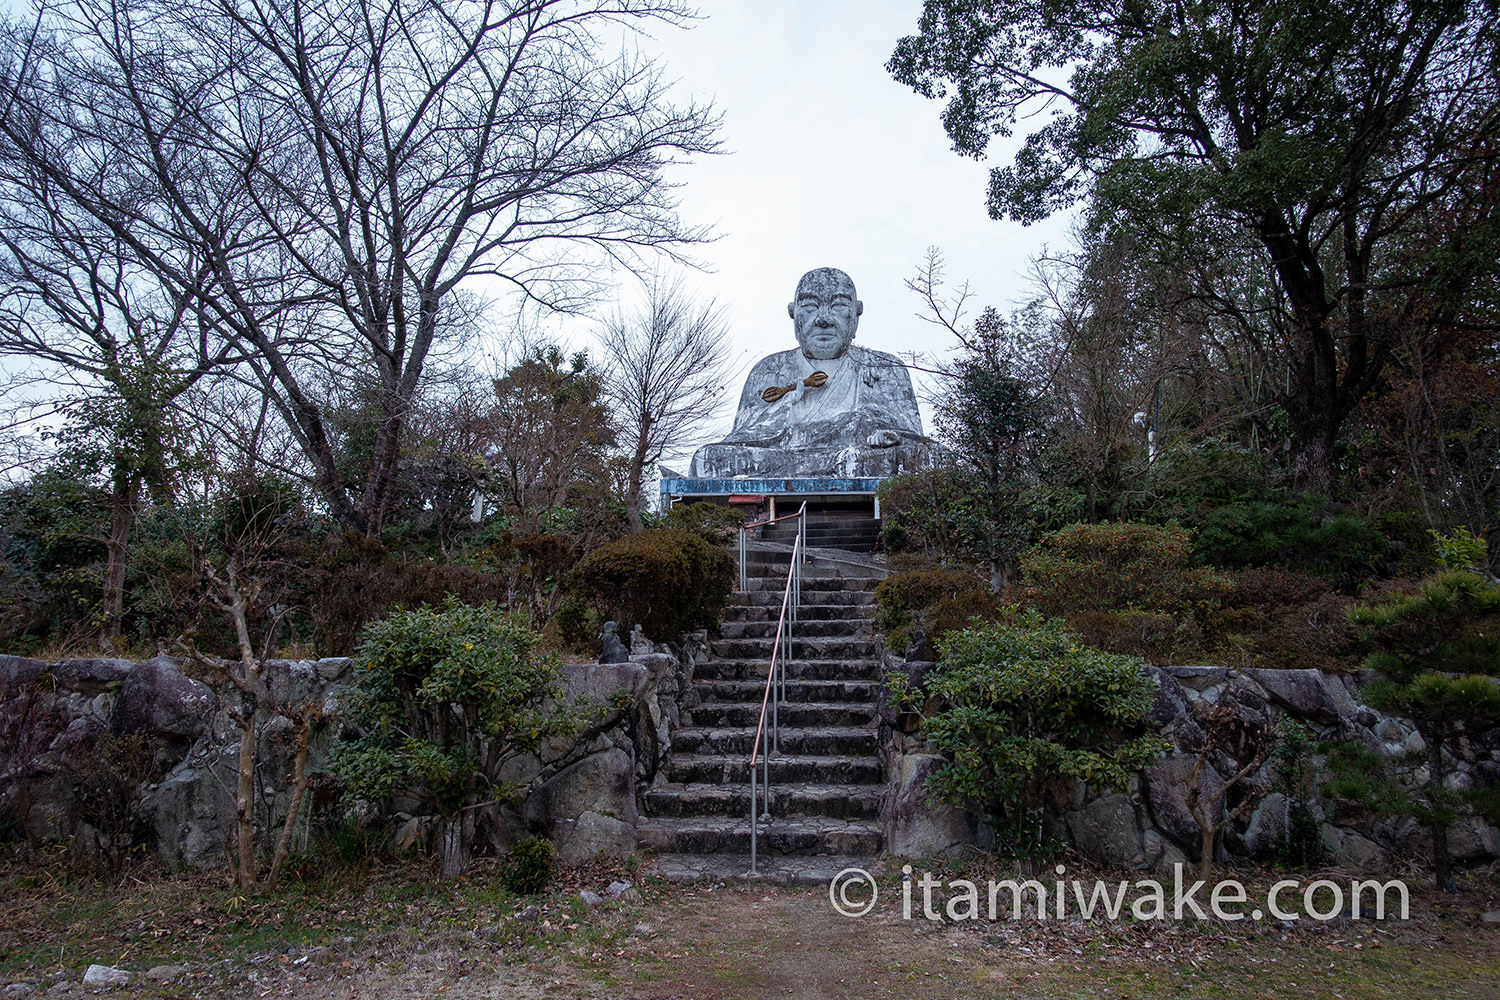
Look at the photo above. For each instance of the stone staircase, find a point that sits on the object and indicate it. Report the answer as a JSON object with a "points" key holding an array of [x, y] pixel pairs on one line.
{"points": [[826, 782]]}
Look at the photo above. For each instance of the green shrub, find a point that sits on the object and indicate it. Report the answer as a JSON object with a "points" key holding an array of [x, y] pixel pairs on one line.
{"points": [[1290, 530], [1434, 656], [442, 700], [936, 600], [948, 514], [530, 867], [1026, 702], [667, 581], [1126, 587], [716, 523]]}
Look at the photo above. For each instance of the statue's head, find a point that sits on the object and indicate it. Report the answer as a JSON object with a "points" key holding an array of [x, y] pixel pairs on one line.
{"points": [[825, 313]]}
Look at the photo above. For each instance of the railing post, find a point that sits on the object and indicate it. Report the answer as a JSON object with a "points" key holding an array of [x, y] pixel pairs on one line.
{"points": [[752, 817], [744, 578]]}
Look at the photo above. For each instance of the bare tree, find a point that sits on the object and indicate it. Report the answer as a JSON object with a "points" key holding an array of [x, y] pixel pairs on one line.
{"points": [[111, 348], [665, 371], [315, 182]]}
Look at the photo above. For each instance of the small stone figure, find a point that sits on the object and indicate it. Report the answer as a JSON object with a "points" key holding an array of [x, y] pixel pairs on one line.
{"points": [[639, 644], [824, 408], [611, 649]]}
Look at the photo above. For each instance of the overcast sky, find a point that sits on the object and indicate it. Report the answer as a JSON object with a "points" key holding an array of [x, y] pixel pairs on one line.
{"points": [[829, 162]]}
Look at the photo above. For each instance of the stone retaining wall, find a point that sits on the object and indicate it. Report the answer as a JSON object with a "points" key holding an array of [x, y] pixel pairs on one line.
{"points": [[1148, 826], [582, 793]]}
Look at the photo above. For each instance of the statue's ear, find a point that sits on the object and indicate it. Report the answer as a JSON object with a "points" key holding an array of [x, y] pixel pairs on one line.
{"points": [[790, 310], [859, 308]]}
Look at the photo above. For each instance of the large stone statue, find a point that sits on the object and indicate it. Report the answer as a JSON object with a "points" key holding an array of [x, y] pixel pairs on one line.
{"points": [[825, 409]]}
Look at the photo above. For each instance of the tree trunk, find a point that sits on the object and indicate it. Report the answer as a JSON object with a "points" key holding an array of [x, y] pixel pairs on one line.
{"points": [[244, 797], [637, 475], [299, 790], [121, 519], [457, 838], [248, 683], [1313, 437], [1442, 865]]}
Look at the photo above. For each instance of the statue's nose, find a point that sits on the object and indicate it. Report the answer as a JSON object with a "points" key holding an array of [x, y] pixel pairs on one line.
{"points": [[824, 318]]}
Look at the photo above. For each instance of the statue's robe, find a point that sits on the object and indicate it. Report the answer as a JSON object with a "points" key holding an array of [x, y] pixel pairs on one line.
{"points": [[821, 432]]}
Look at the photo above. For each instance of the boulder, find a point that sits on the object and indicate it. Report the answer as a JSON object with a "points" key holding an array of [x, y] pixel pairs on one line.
{"points": [[1472, 839], [1170, 702], [91, 675], [1108, 831], [1265, 829], [290, 682], [159, 700], [1166, 791], [192, 811], [1161, 856], [105, 975], [916, 825], [602, 683], [590, 835], [16, 672], [1360, 852], [1310, 694], [334, 668], [602, 783], [1198, 678]]}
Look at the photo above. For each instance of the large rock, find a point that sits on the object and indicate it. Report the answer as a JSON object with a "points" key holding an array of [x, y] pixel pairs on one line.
{"points": [[1161, 855], [16, 672], [159, 700], [602, 783], [590, 835], [916, 824], [1198, 678], [603, 683], [1170, 702], [1266, 828], [1166, 791], [1472, 839], [291, 682], [91, 675], [1108, 831], [192, 811], [1311, 694]]}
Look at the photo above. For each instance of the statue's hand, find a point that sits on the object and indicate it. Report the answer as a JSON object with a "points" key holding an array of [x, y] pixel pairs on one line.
{"points": [[883, 439]]}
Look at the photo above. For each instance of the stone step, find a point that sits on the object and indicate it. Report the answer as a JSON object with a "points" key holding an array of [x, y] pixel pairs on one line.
{"points": [[776, 869], [807, 613], [797, 690], [827, 741], [848, 541], [811, 628], [685, 799], [798, 716], [719, 769], [764, 586], [731, 835], [751, 668], [800, 647]]}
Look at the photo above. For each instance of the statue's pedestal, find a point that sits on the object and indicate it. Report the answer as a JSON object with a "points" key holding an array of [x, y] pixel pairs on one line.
{"points": [[773, 497]]}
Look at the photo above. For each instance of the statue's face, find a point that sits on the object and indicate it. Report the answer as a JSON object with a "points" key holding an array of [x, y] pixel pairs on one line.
{"points": [[825, 313]]}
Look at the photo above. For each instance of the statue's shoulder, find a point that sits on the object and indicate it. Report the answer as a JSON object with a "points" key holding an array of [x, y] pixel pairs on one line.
{"points": [[780, 361]]}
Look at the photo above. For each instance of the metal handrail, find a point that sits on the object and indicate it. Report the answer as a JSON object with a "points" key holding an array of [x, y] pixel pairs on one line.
{"points": [[775, 691], [745, 534]]}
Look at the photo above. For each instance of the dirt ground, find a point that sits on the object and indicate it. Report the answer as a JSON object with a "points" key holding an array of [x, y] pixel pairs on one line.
{"points": [[396, 935]]}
